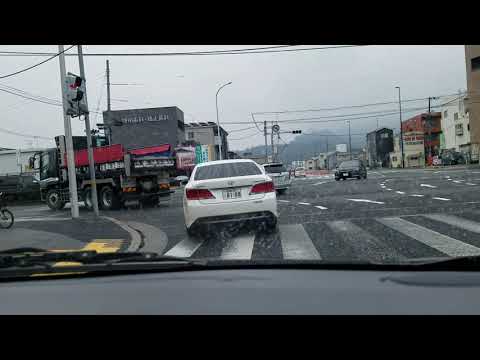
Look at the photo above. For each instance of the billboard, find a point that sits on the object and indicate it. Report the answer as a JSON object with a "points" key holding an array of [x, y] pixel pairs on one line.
{"points": [[342, 148], [185, 157], [204, 153]]}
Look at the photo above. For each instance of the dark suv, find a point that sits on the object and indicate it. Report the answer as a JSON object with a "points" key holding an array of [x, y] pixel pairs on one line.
{"points": [[351, 169]]}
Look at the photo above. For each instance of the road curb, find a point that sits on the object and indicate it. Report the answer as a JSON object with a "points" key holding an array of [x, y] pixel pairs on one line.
{"points": [[135, 238], [154, 239]]}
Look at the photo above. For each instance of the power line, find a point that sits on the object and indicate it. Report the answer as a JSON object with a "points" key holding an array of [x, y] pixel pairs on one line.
{"points": [[24, 135], [347, 106], [34, 66], [194, 53], [238, 130]]}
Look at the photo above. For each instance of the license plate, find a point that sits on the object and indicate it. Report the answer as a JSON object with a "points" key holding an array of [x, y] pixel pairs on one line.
{"points": [[232, 194], [345, 174]]}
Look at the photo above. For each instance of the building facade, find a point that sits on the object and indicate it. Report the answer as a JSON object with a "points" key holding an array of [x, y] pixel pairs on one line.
{"points": [[136, 128], [472, 101], [379, 147], [204, 133], [421, 139], [455, 126]]}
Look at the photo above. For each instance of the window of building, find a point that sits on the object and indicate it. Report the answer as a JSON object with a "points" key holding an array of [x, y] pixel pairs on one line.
{"points": [[468, 127], [476, 63], [394, 158], [455, 116], [459, 129], [191, 135], [445, 114]]}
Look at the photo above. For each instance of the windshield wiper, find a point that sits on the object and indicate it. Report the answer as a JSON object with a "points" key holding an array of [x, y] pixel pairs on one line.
{"points": [[33, 257]]}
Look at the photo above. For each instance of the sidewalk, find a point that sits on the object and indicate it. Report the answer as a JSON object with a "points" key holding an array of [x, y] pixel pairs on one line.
{"points": [[64, 234]]}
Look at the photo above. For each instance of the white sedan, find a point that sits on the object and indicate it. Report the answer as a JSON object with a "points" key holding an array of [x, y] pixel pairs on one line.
{"points": [[229, 191]]}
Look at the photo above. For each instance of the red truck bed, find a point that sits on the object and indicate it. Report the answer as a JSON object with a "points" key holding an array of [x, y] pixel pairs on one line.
{"points": [[112, 153]]}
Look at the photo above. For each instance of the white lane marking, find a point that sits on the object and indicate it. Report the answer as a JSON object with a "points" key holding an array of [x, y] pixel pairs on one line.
{"points": [[367, 201], [456, 221], [475, 172], [284, 201], [296, 244], [417, 195], [400, 192], [440, 198], [321, 207], [185, 248], [440, 242], [302, 203], [24, 219], [449, 179], [374, 172], [458, 181], [471, 184], [322, 182], [427, 185], [239, 247], [388, 189]]}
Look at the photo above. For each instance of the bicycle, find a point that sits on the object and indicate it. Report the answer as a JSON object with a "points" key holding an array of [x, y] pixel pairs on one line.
{"points": [[6, 216]]}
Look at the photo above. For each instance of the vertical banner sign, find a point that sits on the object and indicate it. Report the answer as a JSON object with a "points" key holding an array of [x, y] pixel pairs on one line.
{"points": [[198, 154]]}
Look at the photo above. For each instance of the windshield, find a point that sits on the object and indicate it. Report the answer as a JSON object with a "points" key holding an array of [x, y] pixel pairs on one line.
{"points": [[217, 152], [227, 170], [274, 169]]}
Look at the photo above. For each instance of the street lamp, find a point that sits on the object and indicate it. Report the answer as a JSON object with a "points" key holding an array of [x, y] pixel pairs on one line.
{"points": [[401, 130], [218, 124], [349, 140]]}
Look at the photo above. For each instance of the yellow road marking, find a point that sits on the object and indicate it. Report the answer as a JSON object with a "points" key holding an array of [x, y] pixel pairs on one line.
{"points": [[98, 245]]}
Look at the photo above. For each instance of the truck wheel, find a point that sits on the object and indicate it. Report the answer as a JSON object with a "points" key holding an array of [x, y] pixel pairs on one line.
{"points": [[87, 198], [54, 201], [108, 199]]}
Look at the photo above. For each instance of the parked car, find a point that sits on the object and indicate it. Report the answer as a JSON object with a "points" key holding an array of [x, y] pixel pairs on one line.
{"points": [[182, 179], [450, 157], [229, 191], [280, 176], [300, 172], [351, 169], [19, 187]]}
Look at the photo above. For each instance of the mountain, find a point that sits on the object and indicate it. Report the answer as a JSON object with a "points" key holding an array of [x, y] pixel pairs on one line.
{"points": [[307, 145]]}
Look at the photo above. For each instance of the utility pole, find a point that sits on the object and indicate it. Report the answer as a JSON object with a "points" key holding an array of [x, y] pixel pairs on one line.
{"points": [[109, 107], [350, 140], [327, 142], [271, 140], [401, 130], [72, 179], [91, 161], [266, 143]]}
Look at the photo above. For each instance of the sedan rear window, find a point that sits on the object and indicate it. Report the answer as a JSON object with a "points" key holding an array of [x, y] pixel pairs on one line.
{"points": [[227, 170], [274, 169], [348, 164]]}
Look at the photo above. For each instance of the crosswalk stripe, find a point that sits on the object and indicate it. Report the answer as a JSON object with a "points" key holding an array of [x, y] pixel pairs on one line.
{"points": [[185, 248], [364, 243], [321, 207], [440, 242], [239, 247], [440, 198], [296, 244], [456, 221]]}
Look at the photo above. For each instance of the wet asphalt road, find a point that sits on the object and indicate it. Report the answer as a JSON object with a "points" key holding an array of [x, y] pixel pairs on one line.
{"points": [[390, 216]]}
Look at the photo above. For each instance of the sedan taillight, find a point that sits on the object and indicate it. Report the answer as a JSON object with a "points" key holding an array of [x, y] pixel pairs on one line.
{"points": [[265, 187], [199, 194]]}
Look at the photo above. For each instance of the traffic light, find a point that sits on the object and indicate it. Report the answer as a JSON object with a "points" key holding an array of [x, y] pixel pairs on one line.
{"points": [[296, 131], [74, 92]]}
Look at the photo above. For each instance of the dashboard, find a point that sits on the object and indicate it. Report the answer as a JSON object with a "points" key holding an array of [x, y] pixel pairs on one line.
{"points": [[249, 291]]}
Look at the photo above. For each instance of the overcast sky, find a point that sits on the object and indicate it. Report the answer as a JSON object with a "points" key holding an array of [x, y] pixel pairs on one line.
{"points": [[261, 82]]}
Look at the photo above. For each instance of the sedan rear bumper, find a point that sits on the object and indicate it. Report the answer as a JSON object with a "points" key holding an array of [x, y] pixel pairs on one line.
{"points": [[196, 212]]}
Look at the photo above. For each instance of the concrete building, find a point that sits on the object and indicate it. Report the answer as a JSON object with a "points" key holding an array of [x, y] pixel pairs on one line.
{"points": [[204, 133], [136, 128], [379, 146], [472, 101], [311, 164], [298, 163], [455, 126], [327, 161]]}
